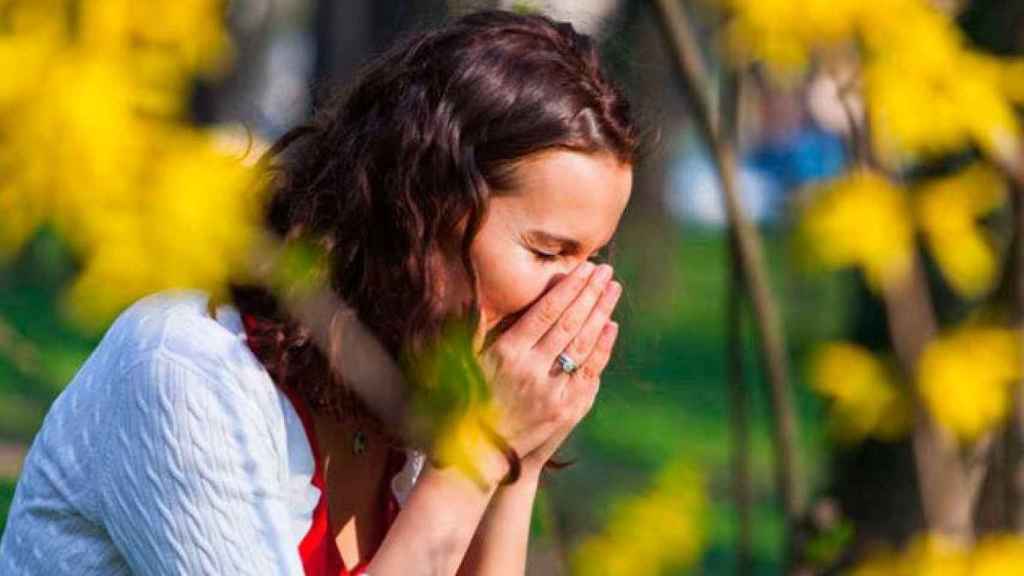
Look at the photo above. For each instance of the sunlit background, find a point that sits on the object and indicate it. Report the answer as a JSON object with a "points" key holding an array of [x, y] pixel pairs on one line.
{"points": [[820, 364]]}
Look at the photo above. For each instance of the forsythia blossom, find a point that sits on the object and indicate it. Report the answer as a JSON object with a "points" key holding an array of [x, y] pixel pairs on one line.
{"points": [[927, 92], [947, 211], [966, 378], [932, 555], [860, 220], [651, 533], [95, 142], [865, 396]]}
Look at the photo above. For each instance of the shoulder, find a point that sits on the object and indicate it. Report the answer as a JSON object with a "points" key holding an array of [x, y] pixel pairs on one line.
{"points": [[175, 328], [167, 346], [184, 387], [174, 324]]}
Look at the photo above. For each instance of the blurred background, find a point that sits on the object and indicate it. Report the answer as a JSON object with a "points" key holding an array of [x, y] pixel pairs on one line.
{"points": [[820, 363]]}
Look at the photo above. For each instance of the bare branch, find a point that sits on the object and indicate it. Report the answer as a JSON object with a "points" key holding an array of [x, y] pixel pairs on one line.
{"points": [[749, 252]]}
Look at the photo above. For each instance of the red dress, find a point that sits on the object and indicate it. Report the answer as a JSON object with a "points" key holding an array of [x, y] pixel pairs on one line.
{"points": [[320, 556]]}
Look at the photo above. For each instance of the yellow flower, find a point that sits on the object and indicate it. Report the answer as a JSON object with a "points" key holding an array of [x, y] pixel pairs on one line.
{"points": [[926, 91], [463, 442], [928, 555], [920, 110], [860, 220], [95, 142], [193, 227], [785, 33], [933, 555], [965, 378], [947, 211], [1000, 555], [651, 533], [188, 33], [70, 154], [452, 405], [865, 398]]}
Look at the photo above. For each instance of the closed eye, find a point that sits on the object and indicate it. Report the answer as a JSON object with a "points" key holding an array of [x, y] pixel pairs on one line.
{"points": [[545, 256], [598, 257]]}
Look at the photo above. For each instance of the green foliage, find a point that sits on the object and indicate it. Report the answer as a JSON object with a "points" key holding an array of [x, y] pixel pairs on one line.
{"points": [[6, 497]]}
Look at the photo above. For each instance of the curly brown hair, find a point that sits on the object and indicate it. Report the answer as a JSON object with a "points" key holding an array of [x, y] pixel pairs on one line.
{"points": [[400, 168]]}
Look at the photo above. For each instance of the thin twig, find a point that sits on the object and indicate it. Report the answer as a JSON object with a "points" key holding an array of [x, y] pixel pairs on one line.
{"points": [[739, 400], [750, 252], [1013, 483], [739, 420]]}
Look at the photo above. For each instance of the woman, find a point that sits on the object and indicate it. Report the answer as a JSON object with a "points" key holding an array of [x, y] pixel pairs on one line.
{"points": [[471, 173]]}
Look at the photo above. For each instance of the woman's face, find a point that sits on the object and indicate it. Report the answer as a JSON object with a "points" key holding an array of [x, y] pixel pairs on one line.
{"points": [[563, 208]]}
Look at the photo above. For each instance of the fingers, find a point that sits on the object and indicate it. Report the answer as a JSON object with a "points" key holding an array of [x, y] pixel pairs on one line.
{"points": [[580, 348], [598, 359], [574, 317], [543, 314]]}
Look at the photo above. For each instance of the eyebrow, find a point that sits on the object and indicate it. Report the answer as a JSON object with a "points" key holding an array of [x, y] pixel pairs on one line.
{"points": [[549, 239]]}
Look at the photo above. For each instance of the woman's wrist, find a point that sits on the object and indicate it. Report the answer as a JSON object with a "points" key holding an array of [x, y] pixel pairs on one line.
{"points": [[530, 469], [488, 469], [494, 467]]}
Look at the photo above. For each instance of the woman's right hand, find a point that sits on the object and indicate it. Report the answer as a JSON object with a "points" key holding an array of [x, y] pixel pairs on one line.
{"points": [[539, 402]]}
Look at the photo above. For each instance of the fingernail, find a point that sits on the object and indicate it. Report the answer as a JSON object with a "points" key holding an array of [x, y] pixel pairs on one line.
{"points": [[613, 288], [604, 273], [586, 268]]}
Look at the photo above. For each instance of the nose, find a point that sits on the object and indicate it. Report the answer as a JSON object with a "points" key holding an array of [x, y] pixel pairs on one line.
{"points": [[566, 268], [561, 272]]}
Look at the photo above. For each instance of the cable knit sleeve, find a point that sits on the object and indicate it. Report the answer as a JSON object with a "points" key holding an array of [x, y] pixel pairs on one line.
{"points": [[192, 480]]}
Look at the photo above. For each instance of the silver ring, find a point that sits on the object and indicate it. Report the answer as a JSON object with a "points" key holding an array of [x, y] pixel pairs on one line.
{"points": [[567, 364]]}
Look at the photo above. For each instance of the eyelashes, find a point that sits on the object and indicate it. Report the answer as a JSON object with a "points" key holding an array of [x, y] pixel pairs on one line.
{"points": [[545, 256], [599, 257]]}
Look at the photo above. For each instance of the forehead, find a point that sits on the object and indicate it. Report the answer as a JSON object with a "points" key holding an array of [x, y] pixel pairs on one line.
{"points": [[568, 193]]}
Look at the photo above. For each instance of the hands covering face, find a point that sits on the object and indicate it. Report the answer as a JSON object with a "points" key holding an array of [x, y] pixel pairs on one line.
{"points": [[539, 401]]}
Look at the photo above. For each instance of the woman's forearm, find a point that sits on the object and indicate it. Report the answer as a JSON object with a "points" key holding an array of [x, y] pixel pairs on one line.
{"points": [[500, 545], [437, 523]]}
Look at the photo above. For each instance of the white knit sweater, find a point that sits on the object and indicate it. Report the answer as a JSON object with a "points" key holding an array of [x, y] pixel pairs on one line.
{"points": [[171, 452]]}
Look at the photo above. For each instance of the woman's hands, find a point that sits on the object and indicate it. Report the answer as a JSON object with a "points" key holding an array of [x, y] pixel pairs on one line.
{"points": [[540, 403]]}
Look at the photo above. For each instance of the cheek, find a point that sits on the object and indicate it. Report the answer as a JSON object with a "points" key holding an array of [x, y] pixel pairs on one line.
{"points": [[508, 284]]}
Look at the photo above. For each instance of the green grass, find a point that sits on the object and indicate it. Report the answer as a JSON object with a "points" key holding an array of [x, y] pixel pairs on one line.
{"points": [[6, 496], [29, 303]]}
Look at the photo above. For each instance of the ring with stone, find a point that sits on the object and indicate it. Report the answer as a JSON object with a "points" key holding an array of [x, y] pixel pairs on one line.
{"points": [[567, 364]]}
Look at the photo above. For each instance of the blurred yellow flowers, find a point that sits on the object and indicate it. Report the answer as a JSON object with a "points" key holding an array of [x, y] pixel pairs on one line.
{"points": [[932, 555], [860, 220], [452, 404], [925, 98], [864, 394], [966, 378], [999, 555], [651, 533], [927, 92], [193, 227], [863, 220], [95, 141], [947, 211], [463, 442]]}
